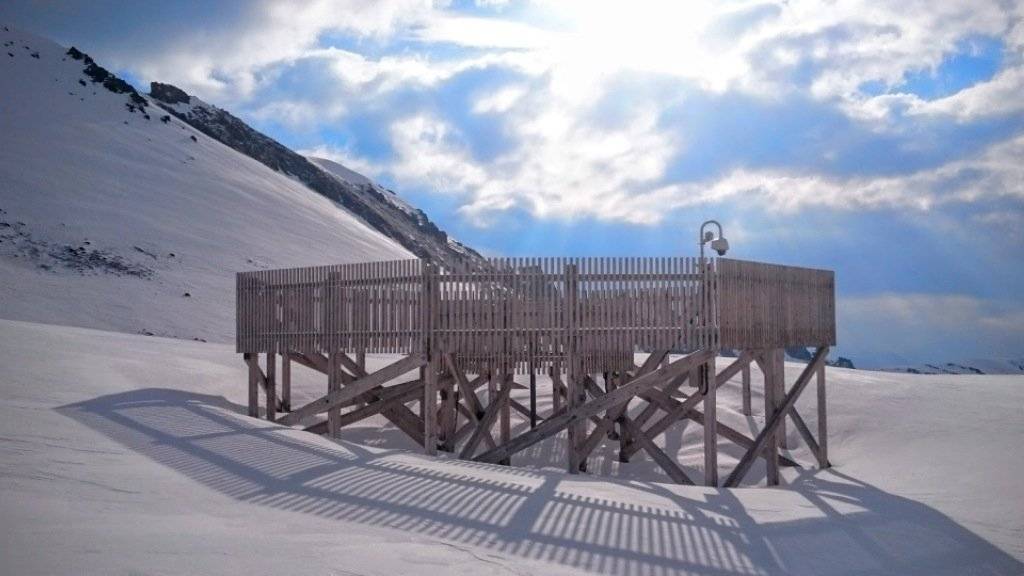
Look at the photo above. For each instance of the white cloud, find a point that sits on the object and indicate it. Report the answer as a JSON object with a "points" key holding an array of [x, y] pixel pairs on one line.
{"points": [[930, 326]]}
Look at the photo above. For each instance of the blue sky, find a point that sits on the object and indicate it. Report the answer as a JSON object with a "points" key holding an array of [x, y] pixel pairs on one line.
{"points": [[882, 140]]}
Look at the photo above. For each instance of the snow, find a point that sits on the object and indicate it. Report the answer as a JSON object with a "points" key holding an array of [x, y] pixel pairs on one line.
{"points": [[129, 454], [124, 454], [95, 184]]}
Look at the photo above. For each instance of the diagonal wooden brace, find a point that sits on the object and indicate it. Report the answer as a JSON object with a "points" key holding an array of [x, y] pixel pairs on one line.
{"points": [[769, 428], [337, 398], [611, 399]]}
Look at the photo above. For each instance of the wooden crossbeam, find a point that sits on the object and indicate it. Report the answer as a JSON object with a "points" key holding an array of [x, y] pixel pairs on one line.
{"points": [[773, 423], [658, 455], [390, 398], [337, 398], [677, 410], [609, 400], [805, 432], [261, 379], [483, 427]]}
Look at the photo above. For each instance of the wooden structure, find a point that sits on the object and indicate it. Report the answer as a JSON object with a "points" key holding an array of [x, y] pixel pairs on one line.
{"points": [[465, 338]]}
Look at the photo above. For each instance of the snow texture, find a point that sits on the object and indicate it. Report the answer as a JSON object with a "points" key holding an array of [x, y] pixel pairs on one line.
{"points": [[124, 454], [111, 220]]}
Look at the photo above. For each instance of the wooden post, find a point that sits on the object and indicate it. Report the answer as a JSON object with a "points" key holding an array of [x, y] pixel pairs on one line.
{"points": [[771, 455], [430, 406], [506, 380], [780, 393], [429, 401], [333, 385], [822, 421], [572, 377], [254, 387], [286, 382], [710, 423], [746, 390], [533, 391], [626, 440], [271, 386]]}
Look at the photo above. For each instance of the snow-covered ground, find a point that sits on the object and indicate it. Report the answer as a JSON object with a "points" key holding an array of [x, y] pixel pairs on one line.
{"points": [[124, 454], [108, 219]]}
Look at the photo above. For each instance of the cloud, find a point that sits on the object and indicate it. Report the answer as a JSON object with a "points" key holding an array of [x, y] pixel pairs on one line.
{"points": [[930, 327]]}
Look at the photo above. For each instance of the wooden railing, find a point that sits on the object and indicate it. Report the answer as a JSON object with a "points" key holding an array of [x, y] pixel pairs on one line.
{"points": [[529, 313]]}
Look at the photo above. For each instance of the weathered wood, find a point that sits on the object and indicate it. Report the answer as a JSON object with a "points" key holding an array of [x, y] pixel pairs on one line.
{"points": [[254, 394], [822, 454], [746, 390], [615, 397], [804, 431], [389, 399], [338, 397], [483, 427], [710, 423], [663, 460], [271, 388], [286, 382], [771, 425], [429, 401], [333, 387]]}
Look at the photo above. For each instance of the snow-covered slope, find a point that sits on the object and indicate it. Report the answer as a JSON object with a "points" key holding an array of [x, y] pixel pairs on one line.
{"points": [[381, 209], [146, 465], [972, 366], [116, 215]]}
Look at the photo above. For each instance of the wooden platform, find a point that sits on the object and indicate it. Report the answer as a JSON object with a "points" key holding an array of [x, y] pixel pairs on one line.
{"points": [[577, 320]]}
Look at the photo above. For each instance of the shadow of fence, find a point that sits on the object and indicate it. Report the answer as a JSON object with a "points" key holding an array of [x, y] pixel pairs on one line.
{"points": [[844, 526]]}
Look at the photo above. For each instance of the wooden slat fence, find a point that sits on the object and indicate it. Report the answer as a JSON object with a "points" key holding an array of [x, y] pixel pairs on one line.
{"points": [[771, 306], [530, 314]]}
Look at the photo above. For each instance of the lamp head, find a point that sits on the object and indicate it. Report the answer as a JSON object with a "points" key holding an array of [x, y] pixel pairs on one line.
{"points": [[720, 245]]}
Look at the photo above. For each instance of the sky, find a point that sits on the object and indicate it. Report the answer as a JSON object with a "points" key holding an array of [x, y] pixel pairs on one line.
{"points": [[882, 140]]}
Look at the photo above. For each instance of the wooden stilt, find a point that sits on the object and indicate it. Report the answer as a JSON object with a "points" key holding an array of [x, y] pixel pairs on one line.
{"points": [[710, 421], [286, 382], [780, 393], [254, 390], [333, 386], [429, 403], [771, 455], [822, 421], [271, 386], [746, 390]]}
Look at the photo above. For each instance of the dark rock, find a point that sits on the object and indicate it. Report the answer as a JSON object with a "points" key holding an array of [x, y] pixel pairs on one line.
{"points": [[799, 353], [187, 295], [168, 93], [165, 118], [410, 228], [35, 55], [194, 139], [842, 363]]}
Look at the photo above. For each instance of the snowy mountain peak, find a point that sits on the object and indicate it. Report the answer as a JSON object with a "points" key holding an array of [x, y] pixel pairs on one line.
{"points": [[379, 208], [117, 215]]}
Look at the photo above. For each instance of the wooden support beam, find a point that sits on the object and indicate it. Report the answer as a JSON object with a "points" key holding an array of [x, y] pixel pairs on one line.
{"points": [[429, 403], [615, 397], [333, 387], [658, 455], [746, 390], [254, 391], [676, 409], [771, 425], [483, 427], [389, 399], [687, 409], [710, 423], [286, 382], [822, 421], [338, 397], [271, 388], [804, 431]]}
